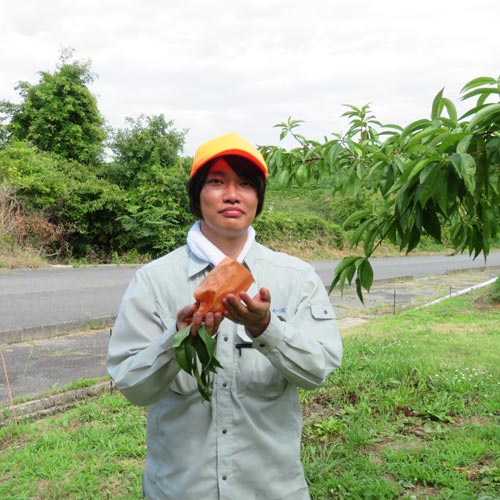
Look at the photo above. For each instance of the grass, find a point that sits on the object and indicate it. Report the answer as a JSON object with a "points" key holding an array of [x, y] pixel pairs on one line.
{"points": [[413, 413], [16, 258], [414, 410]]}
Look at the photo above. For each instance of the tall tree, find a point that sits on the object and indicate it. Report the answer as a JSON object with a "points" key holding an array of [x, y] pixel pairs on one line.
{"points": [[438, 174], [145, 143], [152, 175], [59, 114]]}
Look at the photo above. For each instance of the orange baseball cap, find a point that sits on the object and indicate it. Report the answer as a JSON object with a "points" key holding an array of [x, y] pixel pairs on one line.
{"points": [[229, 144]]}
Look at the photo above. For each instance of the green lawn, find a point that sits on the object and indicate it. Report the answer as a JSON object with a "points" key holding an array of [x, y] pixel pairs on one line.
{"points": [[412, 413]]}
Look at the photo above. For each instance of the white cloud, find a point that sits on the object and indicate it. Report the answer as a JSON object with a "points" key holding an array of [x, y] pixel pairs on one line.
{"points": [[243, 66]]}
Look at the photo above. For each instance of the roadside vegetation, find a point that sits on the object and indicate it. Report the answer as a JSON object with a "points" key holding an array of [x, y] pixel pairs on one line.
{"points": [[413, 413], [75, 190]]}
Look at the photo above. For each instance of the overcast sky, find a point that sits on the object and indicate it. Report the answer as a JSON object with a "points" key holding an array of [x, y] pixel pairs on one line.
{"points": [[215, 66]]}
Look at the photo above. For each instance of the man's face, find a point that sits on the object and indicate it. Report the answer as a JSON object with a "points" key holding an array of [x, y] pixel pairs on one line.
{"points": [[228, 203]]}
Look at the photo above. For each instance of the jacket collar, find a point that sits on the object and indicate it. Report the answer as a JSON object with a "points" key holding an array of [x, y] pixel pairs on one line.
{"points": [[195, 264]]}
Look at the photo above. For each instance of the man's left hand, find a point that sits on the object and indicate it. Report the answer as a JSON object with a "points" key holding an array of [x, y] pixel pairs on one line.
{"points": [[252, 312]]}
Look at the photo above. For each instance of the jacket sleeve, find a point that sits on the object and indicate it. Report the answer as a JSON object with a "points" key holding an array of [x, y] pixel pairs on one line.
{"points": [[141, 360], [306, 347]]}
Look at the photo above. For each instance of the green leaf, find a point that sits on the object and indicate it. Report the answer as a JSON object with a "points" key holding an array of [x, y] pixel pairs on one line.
{"points": [[414, 239], [180, 335], [301, 175], [484, 93], [182, 360], [203, 384], [451, 109], [360, 231], [428, 179], [356, 216], [283, 178], [359, 291], [346, 262], [451, 140], [208, 341], [365, 274], [419, 137], [332, 154], [437, 105], [190, 353], [213, 364], [412, 127], [477, 82], [465, 166], [441, 188], [189, 350], [463, 145], [483, 115], [387, 179], [201, 350], [431, 224], [345, 271], [343, 277]]}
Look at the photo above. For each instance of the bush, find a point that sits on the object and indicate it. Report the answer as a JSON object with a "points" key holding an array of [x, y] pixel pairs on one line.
{"points": [[24, 238], [279, 230]]}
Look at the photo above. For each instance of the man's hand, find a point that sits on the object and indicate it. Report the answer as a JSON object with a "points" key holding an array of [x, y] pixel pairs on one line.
{"points": [[188, 316], [253, 313]]}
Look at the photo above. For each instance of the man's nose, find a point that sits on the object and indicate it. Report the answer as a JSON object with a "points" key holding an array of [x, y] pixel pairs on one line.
{"points": [[231, 192]]}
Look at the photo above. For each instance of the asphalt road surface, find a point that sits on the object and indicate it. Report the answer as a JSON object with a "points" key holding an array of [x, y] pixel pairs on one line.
{"points": [[36, 366], [37, 303]]}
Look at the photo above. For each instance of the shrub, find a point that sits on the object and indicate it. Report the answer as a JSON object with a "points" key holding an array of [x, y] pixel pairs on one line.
{"points": [[279, 230]]}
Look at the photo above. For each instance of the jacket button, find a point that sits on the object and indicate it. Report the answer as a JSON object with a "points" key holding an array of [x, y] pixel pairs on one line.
{"points": [[224, 384]]}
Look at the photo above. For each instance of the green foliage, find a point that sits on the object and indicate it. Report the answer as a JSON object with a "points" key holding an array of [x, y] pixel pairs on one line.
{"points": [[59, 114], [138, 203], [434, 175], [493, 294], [64, 194], [317, 198], [279, 228], [191, 352], [152, 177], [146, 142]]}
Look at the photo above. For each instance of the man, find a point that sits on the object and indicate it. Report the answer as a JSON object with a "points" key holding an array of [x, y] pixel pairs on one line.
{"points": [[280, 336]]}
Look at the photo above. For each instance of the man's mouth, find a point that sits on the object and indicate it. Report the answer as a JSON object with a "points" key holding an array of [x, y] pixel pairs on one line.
{"points": [[232, 212]]}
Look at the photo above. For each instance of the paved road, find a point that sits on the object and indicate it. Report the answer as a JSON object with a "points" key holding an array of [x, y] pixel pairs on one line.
{"points": [[38, 303], [414, 266], [37, 366]]}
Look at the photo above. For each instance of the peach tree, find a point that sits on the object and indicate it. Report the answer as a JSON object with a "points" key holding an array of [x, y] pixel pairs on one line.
{"points": [[438, 174]]}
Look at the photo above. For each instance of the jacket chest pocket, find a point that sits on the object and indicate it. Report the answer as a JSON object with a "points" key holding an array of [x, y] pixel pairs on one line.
{"points": [[255, 375]]}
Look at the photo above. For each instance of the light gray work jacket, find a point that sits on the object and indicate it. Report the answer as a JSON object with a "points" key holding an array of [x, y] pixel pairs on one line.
{"points": [[246, 442]]}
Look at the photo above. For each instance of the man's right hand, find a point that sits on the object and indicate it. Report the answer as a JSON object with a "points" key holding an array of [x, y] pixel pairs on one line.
{"points": [[188, 316]]}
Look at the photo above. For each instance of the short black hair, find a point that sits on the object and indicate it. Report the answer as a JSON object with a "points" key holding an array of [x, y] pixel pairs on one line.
{"points": [[242, 167]]}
